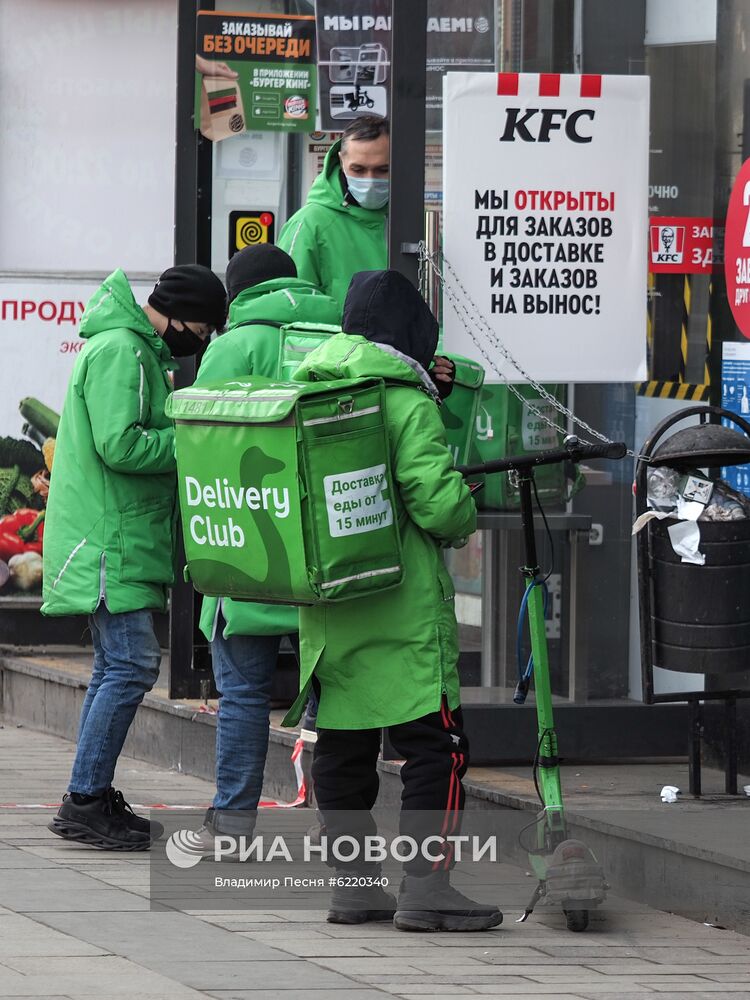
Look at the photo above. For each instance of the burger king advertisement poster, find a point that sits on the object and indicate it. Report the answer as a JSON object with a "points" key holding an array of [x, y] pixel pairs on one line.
{"points": [[254, 72]]}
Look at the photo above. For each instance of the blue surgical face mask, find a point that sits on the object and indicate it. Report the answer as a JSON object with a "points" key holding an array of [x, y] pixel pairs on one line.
{"points": [[370, 192]]}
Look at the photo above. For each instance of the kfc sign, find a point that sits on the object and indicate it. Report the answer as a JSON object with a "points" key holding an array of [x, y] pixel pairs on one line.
{"points": [[680, 245], [667, 244]]}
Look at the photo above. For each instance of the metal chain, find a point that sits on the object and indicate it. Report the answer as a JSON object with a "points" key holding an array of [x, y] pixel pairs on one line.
{"points": [[459, 306], [483, 327]]}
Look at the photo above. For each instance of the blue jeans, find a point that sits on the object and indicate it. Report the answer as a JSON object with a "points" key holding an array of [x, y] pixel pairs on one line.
{"points": [[126, 666], [243, 667]]}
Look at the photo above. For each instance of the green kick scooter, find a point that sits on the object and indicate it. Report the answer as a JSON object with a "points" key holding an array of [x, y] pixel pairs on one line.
{"points": [[567, 870]]}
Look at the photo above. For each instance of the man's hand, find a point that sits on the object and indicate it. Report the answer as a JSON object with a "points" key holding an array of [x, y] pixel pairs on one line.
{"points": [[210, 68], [442, 372]]}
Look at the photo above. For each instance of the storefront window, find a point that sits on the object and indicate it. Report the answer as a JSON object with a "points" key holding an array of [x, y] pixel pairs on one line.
{"points": [[592, 616], [592, 623]]}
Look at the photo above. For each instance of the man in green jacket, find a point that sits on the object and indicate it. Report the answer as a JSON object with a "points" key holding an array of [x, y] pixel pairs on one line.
{"points": [[390, 660], [109, 534], [341, 228], [264, 294]]}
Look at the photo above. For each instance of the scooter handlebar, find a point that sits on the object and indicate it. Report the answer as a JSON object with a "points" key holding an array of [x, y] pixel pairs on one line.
{"points": [[574, 451], [612, 449]]}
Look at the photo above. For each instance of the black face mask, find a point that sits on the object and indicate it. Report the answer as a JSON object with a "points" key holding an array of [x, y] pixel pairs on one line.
{"points": [[181, 343]]}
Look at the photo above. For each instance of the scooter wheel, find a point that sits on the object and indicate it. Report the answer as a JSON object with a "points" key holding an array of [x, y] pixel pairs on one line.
{"points": [[577, 920]]}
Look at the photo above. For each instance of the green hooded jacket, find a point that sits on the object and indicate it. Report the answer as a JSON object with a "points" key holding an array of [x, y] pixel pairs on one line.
{"points": [[390, 657], [109, 527], [330, 239], [253, 350]]}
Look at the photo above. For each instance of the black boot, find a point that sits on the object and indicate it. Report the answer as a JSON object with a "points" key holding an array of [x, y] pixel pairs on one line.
{"points": [[220, 823], [359, 903], [430, 903], [102, 822]]}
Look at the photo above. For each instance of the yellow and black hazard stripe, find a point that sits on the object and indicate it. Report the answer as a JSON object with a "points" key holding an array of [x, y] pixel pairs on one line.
{"points": [[673, 390], [709, 335], [679, 389], [686, 293]]}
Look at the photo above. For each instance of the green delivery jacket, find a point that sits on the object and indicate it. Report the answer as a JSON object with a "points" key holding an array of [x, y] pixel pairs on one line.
{"points": [[390, 657], [110, 522], [253, 350], [330, 239]]}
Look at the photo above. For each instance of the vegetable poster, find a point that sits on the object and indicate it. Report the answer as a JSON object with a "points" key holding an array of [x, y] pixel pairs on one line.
{"points": [[40, 343], [545, 224], [254, 72]]}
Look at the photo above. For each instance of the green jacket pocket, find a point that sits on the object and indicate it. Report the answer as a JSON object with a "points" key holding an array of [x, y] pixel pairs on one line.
{"points": [[146, 534]]}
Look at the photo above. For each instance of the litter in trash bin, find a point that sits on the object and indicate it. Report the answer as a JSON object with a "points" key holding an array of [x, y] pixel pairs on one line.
{"points": [[727, 504], [724, 508], [649, 515], [686, 537], [696, 488], [689, 510], [669, 793], [669, 491], [663, 486], [689, 498]]}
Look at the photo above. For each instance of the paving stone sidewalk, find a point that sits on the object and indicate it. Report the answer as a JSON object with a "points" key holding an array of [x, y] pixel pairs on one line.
{"points": [[75, 923]]}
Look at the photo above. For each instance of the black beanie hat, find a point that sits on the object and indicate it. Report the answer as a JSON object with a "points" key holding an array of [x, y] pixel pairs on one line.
{"points": [[255, 264], [190, 293]]}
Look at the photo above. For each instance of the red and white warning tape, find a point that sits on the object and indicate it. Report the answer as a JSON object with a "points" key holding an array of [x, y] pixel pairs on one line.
{"points": [[299, 746], [171, 807]]}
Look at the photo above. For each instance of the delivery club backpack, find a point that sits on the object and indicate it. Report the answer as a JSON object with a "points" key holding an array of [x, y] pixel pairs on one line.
{"points": [[285, 488]]}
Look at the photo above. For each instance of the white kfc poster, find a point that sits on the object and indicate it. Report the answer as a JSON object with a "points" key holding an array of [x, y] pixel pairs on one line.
{"points": [[546, 224]]}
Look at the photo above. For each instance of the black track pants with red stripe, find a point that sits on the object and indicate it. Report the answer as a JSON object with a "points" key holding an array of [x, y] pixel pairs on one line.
{"points": [[436, 755]]}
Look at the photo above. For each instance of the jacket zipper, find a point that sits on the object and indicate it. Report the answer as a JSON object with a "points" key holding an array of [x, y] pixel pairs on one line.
{"points": [[280, 397]]}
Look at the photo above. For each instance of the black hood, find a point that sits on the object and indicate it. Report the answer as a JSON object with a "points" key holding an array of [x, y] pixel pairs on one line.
{"points": [[384, 306]]}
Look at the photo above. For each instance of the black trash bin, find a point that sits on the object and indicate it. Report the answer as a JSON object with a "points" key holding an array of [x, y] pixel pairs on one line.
{"points": [[696, 619], [701, 614]]}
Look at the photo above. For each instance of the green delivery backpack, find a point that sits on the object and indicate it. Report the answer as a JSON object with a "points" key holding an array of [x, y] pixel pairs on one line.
{"points": [[296, 341], [459, 410], [285, 489], [506, 426]]}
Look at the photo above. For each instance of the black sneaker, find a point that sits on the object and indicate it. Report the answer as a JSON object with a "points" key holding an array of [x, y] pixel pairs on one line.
{"points": [[102, 823], [430, 903], [359, 904], [134, 821]]}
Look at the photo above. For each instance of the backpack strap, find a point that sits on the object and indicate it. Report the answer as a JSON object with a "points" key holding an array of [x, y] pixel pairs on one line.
{"points": [[294, 326], [412, 385], [260, 322]]}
